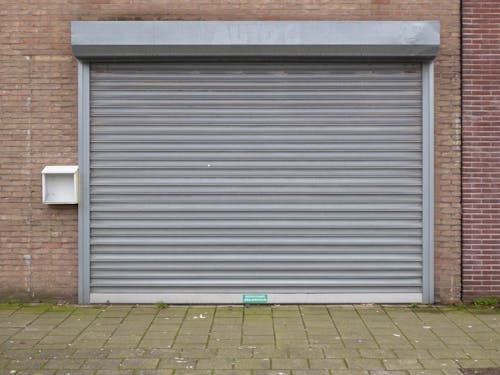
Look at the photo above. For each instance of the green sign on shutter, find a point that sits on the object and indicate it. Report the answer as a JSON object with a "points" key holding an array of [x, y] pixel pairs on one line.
{"points": [[254, 298]]}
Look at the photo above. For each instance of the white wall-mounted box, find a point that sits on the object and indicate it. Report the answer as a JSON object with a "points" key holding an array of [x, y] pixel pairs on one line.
{"points": [[60, 184]]}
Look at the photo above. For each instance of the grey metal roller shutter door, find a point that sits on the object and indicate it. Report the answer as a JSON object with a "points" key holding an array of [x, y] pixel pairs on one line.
{"points": [[212, 180]]}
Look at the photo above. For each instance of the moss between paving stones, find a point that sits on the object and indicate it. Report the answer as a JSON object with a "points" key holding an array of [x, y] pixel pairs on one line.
{"points": [[268, 340]]}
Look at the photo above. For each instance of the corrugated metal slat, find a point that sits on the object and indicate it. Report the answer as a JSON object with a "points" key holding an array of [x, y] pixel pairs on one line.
{"points": [[256, 177]]}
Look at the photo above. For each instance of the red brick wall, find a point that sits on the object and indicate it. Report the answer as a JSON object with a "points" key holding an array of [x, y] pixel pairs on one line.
{"points": [[481, 148], [38, 82]]}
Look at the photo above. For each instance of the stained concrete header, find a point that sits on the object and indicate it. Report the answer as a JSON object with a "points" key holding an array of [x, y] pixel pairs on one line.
{"points": [[115, 39]]}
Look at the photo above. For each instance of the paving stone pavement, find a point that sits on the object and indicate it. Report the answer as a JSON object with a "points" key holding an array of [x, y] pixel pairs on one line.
{"points": [[252, 340]]}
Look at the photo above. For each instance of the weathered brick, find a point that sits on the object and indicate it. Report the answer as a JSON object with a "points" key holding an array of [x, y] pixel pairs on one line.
{"points": [[38, 116], [481, 141]]}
